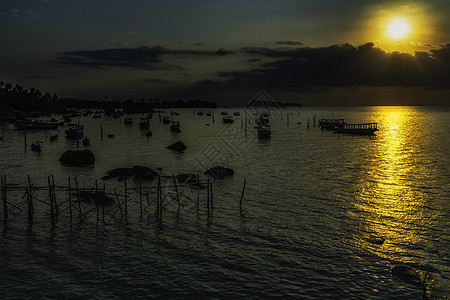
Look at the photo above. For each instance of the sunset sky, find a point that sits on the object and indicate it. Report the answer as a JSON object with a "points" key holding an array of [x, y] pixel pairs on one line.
{"points": [[327, 52]]}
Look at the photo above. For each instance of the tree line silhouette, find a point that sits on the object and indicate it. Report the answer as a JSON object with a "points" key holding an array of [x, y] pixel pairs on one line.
{"points": [[18, 98]]}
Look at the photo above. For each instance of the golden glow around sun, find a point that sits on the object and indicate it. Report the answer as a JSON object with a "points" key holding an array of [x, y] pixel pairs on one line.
{"points": [[398, 28], [402, 28]]}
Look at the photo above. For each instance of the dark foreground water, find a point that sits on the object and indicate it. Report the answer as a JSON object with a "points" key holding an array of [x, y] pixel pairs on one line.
{"points": [[324, 215]]}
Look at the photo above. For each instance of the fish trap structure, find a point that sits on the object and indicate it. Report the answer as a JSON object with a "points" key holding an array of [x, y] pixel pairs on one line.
{"points": [[69, 202]]}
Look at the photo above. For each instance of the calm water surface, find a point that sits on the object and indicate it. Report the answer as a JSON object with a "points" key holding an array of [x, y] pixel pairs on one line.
{"points": [[324, 215]]}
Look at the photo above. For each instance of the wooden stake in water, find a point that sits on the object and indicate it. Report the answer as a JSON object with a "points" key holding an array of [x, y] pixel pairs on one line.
{"points": [[5, 203], [70, 201], [242, 194], [140, 196], [30, 202], [126, 201], [176, 190], [207, 196], [52, 209], [211, 194]]}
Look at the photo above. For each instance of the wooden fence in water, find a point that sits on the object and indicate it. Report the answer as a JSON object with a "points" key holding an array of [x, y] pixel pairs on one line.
{"points": [[76, 202]]}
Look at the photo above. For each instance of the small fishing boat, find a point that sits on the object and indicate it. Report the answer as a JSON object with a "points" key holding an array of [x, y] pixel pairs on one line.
{"points": [[36, 146], [128, 121], [228, 119], [175, 127], [145, 123], [331, 123], [362, 128], [35, 125], [74, 131], [263, 120], [264, 132], [86, 141]]}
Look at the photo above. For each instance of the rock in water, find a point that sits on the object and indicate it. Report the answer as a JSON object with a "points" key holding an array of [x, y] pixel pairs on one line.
{"points": [[120, 173], [177, 146], [219, 172], [409, 275], [77, 158], [144, 173], [189, 179]]}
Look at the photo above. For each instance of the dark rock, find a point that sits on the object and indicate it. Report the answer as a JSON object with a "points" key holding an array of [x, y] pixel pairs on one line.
{"points": [[177, 146], [219, 172], [144, 173], [120, 173], [410, 275], [188, 179], [77, 158]]}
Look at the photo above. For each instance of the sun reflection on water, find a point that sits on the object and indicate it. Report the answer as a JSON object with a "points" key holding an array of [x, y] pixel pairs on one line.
{"points": [[387, 198]]}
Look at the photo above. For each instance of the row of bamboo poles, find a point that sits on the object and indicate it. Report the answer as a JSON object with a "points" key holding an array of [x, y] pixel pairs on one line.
{"points": [[114, 204]]}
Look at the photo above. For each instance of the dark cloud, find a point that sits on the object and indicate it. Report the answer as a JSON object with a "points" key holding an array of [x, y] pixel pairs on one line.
{"points": [[290, 43], [218, 52], [136, 58], [158, 80], [139, 58], [343, 65]]}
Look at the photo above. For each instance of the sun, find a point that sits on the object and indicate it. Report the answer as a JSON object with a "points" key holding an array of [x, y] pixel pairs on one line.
{"points": [[398, 28]]}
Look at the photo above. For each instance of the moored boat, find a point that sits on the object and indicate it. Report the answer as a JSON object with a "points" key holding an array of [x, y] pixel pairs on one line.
{"points": [[145, 123], [128, 121], [86, 141], [36, 146], [362, 128], [175, 127], [228, 119], [35, 125], [74, 131], [331, 123], [264, 132]]}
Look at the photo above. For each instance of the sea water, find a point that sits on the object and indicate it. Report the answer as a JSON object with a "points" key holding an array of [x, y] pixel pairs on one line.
{"points": [[323, 215]]}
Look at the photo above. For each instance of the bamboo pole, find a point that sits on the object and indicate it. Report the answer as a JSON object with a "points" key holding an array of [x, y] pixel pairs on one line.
{"points": [[207, 196], [211, 194], [126, 201], [176, 190], [79, 202], [52, 210], [96, 195], [242, 194], [54, 197], [140, 197], [30, 202], [70, 200], [5, 202]]}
